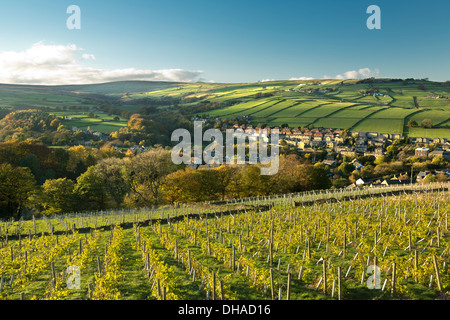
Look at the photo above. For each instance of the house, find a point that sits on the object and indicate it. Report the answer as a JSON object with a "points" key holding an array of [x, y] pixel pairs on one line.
{"points": [[422, 152], [331, 145], [301, 145], [422, 140], [330, 163], [318, 137], [357, 164], [361, 140], [444, 154], [358, 134], [422, 174], [393, 182], [376, 152], [363, 182], [361, 148], [375, 183], [339, 140], [317, 143]]}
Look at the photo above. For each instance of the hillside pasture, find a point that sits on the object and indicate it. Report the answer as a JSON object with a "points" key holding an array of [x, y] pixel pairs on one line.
{"points": [[393, 126]]}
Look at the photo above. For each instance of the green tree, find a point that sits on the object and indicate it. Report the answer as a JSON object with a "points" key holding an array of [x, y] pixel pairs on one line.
{"points": [[111, 173], [340, 183], [438, 161], [32, 162], [16, 184], [56, 196], [412, 123], [315, 178], [392, 150], [90, 191], [346, 167]]}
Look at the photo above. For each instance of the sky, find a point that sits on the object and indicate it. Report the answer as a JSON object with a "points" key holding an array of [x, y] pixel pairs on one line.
{"points": [[221, 41]]}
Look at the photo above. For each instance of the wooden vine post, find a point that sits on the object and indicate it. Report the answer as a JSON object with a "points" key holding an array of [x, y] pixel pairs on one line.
{"points": [[271, 245], [416, 265], [409, 241], [288, 297], [436, 269], [272, 289], [345, 245], [339, 284], [394, 265], [214, 286], [324, 276], [221, 290]]}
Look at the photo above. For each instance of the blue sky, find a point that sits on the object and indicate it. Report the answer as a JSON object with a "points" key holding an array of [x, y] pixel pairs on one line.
{"points": [[222, 41]]}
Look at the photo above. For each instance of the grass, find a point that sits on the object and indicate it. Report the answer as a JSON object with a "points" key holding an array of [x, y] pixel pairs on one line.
{"points": [[393, 126], [238, 108]]}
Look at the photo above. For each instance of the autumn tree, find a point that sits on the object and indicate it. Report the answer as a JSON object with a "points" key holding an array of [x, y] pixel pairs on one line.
{"points": [[183, 186], [427, 123], [146, 173], [253, 183], [287, 179], [226, 177], [315, 177], [111, 173]]}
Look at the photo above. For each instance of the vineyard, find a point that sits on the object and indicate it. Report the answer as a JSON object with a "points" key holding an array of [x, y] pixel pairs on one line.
{"points": [[378, 244]]}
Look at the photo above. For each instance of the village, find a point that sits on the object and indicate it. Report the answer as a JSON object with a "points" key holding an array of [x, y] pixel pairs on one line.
{"points": [[339, 143]]}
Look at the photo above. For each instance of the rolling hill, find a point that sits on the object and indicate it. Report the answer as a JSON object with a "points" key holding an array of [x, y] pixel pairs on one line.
{"points": [[383, 105]]}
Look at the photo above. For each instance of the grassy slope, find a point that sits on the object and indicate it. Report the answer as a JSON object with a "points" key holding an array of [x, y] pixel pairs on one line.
{"points": [[344, 108], [389, 113]]}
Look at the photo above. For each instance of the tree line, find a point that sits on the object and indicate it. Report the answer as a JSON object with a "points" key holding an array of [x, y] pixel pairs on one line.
{"points": [[148, 179]]}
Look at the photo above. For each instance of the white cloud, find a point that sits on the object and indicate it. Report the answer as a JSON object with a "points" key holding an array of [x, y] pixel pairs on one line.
{"points": [[63, 64], [356, 74], [266, 80], [88, 56], [301, 78]]}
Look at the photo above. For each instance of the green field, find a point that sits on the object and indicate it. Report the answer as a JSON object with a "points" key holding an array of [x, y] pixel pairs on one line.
{"points": [[321, 103], [394, 126], [344, 107], [101, 122]]}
